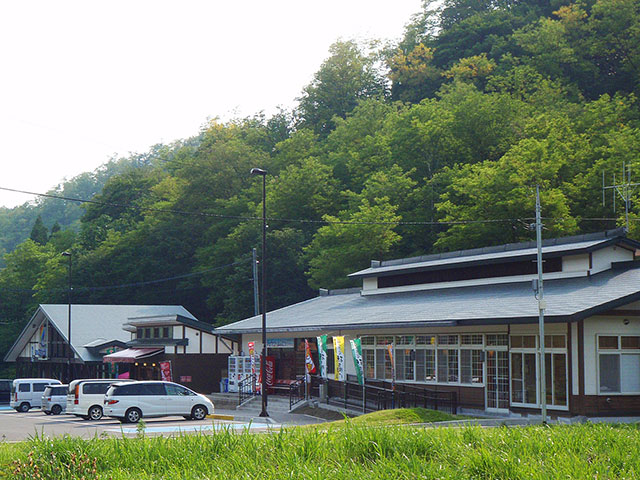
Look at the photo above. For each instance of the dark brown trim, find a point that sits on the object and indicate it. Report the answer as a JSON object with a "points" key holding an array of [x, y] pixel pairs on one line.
{"points": [[590, 260], [184, 335], [581, 358], [569, 367], [622, 313], [217, 339], [200, 334]]}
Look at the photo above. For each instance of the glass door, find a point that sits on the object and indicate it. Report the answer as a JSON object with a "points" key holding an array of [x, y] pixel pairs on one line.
{"points": [[497, 382], [524, 378]]}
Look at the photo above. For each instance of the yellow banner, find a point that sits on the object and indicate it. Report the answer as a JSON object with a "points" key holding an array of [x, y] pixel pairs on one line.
{"points": [[338, 354]]}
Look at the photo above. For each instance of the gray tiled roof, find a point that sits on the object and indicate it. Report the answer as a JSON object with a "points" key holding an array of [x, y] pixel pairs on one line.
{"points": [[567, 300], [91, 323], [501, 253]]}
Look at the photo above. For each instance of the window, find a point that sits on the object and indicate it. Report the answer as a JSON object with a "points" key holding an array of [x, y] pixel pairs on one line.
{"points": [[99, 388], [178, 390], [24, 387], [497, 340], [619, 363], [447, 366], [471, 366], [39, 387], [152, 389]]}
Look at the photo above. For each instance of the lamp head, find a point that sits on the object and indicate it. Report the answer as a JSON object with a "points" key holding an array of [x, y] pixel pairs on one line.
{"points": [[66, 254], [258, 171]]}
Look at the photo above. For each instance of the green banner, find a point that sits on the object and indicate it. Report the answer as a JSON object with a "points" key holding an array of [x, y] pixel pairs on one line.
{"points": [[322, 355], [356, 350]]}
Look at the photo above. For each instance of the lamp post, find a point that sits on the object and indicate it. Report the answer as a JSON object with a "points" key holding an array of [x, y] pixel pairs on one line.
{"points": [[263, 360], [70, 355]]}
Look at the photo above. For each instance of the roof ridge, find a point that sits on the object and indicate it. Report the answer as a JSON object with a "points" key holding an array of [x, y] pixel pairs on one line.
{"points": [[507, 247]]}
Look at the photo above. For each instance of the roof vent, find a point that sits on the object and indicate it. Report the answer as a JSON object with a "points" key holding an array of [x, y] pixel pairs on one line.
{"points": [[375, 263], [323, 292]]}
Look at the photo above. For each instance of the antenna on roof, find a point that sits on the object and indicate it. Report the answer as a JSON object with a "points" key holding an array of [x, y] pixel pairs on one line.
{"points": [[624, 189]]}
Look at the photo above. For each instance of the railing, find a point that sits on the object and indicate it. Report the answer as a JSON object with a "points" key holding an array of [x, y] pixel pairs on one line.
{"points": [[297, 392], [372, 398], [246, 388]]}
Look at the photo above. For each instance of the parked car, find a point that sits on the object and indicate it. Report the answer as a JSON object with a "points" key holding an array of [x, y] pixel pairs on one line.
{"points": [[54, 399], [129, 402], [85, 397], [26, 393], [5, 390]]}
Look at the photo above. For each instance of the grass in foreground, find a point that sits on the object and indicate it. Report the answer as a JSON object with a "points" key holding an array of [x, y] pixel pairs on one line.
{"points": [[343, 452], [399, 416]]}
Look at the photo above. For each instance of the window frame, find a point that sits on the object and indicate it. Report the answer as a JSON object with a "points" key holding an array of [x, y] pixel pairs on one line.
{"points": [[620, 352]]}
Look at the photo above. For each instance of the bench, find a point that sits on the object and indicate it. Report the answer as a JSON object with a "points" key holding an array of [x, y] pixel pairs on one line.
{"points": [[282, 385]]}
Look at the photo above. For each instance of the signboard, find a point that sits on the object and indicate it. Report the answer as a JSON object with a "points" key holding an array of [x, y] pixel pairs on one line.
{"points": [[39, 350], [280, 343], [185, 379], [165, 371], [270, 366]]}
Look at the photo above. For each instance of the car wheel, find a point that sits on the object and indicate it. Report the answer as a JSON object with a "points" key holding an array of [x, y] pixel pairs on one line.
{"points": [[95, 412], [24, 407], [56, 409], [199, 412], [133, 415]]}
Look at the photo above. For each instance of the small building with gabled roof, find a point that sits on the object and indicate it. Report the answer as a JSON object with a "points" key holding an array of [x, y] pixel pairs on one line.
{"points": [[130, 341], [467, 322]]}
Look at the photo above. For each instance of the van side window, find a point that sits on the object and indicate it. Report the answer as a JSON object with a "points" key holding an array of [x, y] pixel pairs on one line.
{"points": [[39, 387], [152, 389], [178, 390], [91, 388], [24, 387]]}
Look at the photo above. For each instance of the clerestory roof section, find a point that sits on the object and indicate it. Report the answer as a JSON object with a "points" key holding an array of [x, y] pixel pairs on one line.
{"points": [[513, 252], [568, 300]]}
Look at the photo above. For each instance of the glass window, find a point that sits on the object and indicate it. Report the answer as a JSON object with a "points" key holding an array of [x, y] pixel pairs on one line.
{"points": [[384, 340], [156, 332], [368, 340], [475, 339], [554, 341], [380, 361], [368, 356], [471, 366], [165, 332], [39, 387], [152, 389], [608, 342], [447, 339], [609, 373], [497, 340], [95, 388], [630, 343], [448, 366], [24, 387], [178, 390], [404, 340], [425, 340]]}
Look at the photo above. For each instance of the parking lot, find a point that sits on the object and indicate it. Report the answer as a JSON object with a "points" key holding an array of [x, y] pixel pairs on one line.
{"points": [[16, 426]]}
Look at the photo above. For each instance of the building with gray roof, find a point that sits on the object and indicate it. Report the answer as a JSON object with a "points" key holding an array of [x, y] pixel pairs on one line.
{"points": [[467, 322]]}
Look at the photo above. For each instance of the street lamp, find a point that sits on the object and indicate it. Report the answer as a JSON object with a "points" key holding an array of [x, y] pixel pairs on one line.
{"points": [[263, 360], [70, 355]]}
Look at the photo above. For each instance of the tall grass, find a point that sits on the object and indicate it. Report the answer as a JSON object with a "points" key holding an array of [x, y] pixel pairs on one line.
{"points": [[342, 452]]}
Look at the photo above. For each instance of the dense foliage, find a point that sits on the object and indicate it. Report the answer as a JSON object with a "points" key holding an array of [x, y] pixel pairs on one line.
{"points": [[432, 144]]}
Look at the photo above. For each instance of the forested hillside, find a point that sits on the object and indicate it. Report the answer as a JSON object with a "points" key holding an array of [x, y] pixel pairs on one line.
{"points": [[435, 143]]}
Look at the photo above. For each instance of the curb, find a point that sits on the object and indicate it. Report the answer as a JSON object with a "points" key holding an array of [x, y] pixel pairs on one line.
{"points": [[215, 416]]}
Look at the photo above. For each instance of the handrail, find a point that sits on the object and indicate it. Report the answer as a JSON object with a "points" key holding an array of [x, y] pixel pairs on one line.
{"points": [[246, 388], [297, 392]]}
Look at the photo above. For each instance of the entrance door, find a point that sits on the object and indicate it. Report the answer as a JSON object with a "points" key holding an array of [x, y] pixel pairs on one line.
{"points": [[497, 381]]}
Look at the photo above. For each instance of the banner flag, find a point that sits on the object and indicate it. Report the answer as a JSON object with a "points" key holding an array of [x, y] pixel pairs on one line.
{"points": [[322, 355], [393, 366], [356, 350], [338, 352], [311, 367], [165, 371]]}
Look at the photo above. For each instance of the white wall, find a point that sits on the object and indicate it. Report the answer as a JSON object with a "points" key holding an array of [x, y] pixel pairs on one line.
{"points": [[602, 259], [575, 263]]}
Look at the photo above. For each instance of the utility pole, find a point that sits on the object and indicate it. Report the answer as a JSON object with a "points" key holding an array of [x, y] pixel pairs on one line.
{"points": [[541, 307], [254, 269], [624, 189]]}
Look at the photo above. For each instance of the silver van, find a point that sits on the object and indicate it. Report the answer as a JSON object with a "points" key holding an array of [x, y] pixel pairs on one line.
{"points": [[85, 397], [54, 399], [26, 393]]}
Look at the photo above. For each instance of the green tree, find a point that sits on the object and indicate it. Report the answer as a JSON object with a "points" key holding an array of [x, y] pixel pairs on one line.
{"points": [[346, 77], [39, 232]]}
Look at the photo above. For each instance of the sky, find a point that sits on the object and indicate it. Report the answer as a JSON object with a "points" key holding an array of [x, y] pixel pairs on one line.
{"points": [[84, 81]]}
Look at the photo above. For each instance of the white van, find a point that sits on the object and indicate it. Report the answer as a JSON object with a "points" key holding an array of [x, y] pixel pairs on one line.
{"points": [[129, 402], [26, 393], [86, 397]]}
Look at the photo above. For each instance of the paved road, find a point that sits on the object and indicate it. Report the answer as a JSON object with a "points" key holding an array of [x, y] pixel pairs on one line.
{"points": [[15, 426]]}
